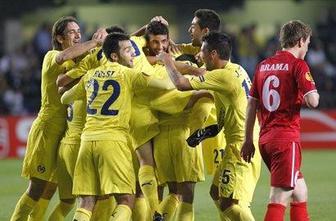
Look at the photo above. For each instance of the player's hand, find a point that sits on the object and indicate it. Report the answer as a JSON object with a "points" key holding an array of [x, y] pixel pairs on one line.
{"points": [[198, 71], [247, 151], [99, 36], [199, 58], [160, 19], [163, 56], [174, 48]]}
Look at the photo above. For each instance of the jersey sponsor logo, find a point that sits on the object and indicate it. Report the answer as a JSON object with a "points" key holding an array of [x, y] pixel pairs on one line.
{"points": [[41, 169], [274, 67]]}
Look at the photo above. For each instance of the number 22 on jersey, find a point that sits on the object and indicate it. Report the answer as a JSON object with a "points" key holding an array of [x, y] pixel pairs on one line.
{"points": [[105, 110]]}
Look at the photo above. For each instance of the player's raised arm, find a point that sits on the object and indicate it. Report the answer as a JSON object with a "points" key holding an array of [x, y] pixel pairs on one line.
{"points": [[141, 31], [184, 68], [77, 92], [182, 83], [81, 48]]}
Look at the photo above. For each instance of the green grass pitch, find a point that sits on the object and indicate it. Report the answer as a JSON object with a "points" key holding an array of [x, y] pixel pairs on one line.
{"points": [[318, 168]]}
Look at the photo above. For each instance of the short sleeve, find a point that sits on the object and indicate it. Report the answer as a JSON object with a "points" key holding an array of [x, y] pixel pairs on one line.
{"points": [[77, 92], [138, 43], [88, 62], [254, 88], [304, 78], [189, 49], [211, 80], [49, 61]]}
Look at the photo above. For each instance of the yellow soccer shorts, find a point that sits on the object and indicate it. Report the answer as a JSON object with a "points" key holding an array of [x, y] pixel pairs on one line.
{"points": [[236, 177], [42, 146], [66, 161], [143, 124], [213, 152], [175, 160], [104, 167]]}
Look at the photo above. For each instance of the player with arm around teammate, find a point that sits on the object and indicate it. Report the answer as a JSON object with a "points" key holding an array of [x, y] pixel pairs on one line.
{"points": [[43, 139], [228, 81]]}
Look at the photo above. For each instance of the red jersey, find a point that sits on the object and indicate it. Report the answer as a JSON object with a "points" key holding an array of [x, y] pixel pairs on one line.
{"points": [[280, 83]]}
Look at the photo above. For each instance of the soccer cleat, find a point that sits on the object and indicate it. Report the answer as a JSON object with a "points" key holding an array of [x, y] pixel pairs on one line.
{"points": [[201, 134], [157, 217]]}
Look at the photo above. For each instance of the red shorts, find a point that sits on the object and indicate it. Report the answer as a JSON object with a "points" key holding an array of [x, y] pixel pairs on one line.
{"points": [[283, 159]]}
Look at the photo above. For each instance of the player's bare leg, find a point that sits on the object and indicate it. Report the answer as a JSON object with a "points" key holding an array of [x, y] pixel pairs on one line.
{"points": [[123, 211], [85, 207], [229, 209], [279, 199], [62, 209], [41, 207], [29, 199], [185, 210], [147, 177], [103, 208], [298, 206]]}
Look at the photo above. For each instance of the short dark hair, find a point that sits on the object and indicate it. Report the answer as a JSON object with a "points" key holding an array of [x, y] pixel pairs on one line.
{"points": [[292, 32], [59, 28], [208, 19], [111, 43], [115, 28], [219, 42], [156, 28]]}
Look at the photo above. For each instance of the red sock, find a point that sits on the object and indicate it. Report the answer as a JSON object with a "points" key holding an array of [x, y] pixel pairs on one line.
{"points": [[298, 212], [275, 212]]}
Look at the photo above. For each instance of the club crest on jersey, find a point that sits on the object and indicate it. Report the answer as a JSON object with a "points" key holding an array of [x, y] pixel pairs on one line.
{"points": [[41, 169], [309, 77]]}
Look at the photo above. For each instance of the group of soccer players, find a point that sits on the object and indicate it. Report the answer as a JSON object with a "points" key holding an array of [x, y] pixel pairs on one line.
{"points": [[133, 124]]}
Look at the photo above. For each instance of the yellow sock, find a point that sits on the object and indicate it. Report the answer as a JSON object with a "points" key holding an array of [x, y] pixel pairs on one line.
{"points": [[39, 210], [168, 206], [184, 212], [148, 185], [82, 215], [103, 209], [121, 213], [141, 210], [236, 212], [61, 211], [23, 208], [199, 114]]}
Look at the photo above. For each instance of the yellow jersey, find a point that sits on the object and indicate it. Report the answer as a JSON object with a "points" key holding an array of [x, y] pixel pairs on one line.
{"points": [[189, 49], [108, 90], [76, 115], [51, 107], [230, 86], [97, 58]]}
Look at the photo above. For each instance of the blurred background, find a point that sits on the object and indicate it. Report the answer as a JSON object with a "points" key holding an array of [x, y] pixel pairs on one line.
{"points": [[253, 24]]}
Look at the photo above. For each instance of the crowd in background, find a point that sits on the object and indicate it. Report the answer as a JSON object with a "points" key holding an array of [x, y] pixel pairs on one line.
{"points": [[20, 71]]}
